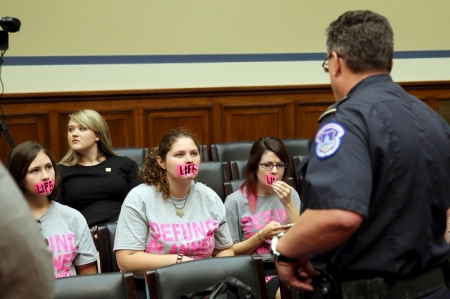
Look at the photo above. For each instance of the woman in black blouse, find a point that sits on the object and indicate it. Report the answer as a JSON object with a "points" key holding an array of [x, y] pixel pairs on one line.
{"points": [[94, 180]]}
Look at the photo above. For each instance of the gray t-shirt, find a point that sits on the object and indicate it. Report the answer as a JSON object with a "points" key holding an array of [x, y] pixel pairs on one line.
{"points": [[243, 224], [148, 222], [69, 239]]}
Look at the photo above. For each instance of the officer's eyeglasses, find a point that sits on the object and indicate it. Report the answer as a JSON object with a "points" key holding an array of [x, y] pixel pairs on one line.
{"points": [[325, 64], [42, 233], [269, 166]]}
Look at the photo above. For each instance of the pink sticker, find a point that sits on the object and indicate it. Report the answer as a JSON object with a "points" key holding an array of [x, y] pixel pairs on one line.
{"points": [[270, 179], [187, 169], [44, 188]]}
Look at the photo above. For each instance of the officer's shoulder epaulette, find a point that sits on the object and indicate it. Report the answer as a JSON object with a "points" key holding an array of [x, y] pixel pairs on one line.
{"points": [[332, 109]]}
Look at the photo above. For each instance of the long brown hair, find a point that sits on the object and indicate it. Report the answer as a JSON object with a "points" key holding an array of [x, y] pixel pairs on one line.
{"points": [[19, 161], [262, 145], [151, 172]]}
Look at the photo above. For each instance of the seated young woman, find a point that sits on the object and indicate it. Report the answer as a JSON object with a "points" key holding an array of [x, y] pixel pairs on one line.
{"points": [[264, 204], [64, 229], [94, 180], [170, 219]]}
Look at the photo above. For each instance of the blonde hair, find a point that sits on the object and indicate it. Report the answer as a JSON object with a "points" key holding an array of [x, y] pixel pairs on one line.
{"points": [[91, 120]]}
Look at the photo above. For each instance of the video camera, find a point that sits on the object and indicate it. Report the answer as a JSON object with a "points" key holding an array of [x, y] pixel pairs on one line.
{"points": [[8, 24]]}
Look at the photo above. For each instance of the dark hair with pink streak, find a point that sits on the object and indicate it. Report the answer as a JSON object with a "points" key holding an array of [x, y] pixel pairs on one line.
{"points": [[262, 145]]}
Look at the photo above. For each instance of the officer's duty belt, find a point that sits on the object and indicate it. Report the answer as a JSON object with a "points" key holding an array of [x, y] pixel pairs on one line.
{"points": [[424, 284]]}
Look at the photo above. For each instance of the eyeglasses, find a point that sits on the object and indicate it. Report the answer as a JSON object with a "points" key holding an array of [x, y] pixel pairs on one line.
{"points": [[42, 233], [269, 166], [325, 64]]}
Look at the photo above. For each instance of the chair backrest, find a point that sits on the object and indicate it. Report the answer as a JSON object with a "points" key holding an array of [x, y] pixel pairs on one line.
{"points": [[213, 174], [232, 186], [172, 281], [94, 286], [238, 169], [231, 151], [136, 154], [297, 160], [296, 147], [106, 236], [204, 152]]}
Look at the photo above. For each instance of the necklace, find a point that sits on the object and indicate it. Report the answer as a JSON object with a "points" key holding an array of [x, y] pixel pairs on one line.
{"points": [[179, 211]]}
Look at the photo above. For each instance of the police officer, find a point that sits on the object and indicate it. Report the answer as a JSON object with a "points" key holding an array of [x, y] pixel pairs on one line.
{"points": [[377, 181]]}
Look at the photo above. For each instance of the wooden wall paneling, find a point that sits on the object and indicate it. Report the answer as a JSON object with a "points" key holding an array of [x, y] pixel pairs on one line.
{"points": [[290, 120], [120, 125], [308, 118], [443, 108], [219, 114], [63, 141], [197, 120], [139, 128], [54, 143], [217, 131], [432, 102], [251, 123], [23, 128]]}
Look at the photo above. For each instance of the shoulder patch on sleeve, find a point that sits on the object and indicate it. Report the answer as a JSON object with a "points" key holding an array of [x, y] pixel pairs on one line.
{"points": [[328, 140]]}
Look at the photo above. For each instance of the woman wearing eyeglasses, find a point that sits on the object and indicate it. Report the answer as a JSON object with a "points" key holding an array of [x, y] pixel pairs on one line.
{"points": [[63, 229], [265, 203]]}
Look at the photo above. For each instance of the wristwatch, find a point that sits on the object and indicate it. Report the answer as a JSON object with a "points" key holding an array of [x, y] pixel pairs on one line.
{"points": [[278, 257]]}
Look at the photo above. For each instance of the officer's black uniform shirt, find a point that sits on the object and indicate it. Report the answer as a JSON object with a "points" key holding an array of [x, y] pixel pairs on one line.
{"points": [[391, 165]]}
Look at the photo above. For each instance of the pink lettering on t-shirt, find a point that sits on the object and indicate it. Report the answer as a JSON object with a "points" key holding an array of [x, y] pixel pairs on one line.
{"points": [[174, 249], [64, 252], [71, 242], [166, 232], [266, 216], [252, 224], [66, 262], [211, 225], [61, 241], [199, 228], [154, 230], [281, 215], [154, 246], [186, 228], [247, 224], [176, 231], [257, 221], [192, 238]]}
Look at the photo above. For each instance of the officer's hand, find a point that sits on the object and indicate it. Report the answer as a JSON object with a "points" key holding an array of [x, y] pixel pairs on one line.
{"points": [[297, 276], [283, 191], [271, 229]]}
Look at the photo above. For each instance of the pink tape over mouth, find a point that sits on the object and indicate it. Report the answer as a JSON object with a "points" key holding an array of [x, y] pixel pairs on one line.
{"points": [[44, 188], [270, 179], [187, 169]]}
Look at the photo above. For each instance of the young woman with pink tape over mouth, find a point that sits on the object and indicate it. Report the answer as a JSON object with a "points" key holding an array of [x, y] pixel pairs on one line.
{"points": [[64, 229], [169, 218]]}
